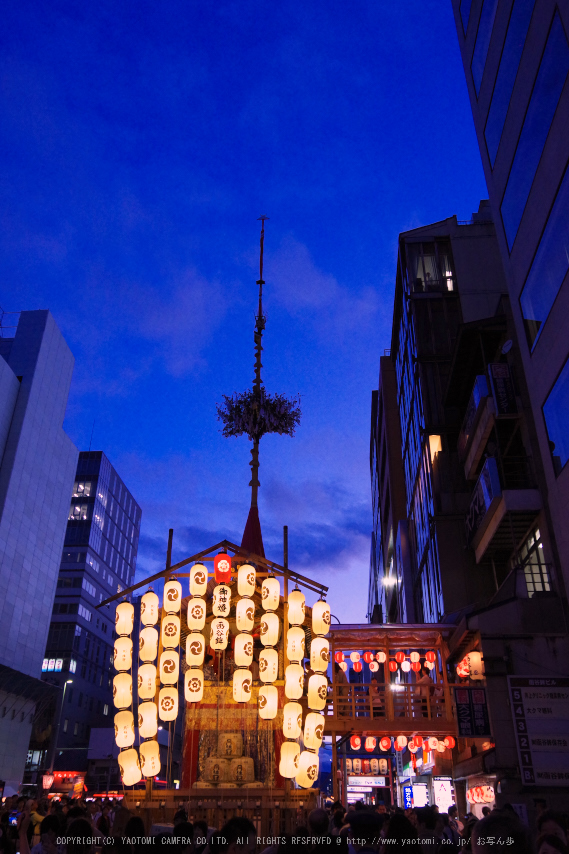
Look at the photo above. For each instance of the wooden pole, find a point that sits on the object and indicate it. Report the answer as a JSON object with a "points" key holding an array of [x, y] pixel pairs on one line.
{"points": [[335, 788]]}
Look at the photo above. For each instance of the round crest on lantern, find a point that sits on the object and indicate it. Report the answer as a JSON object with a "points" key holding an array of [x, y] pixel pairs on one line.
{"points": [[124, 618], [193, 685], [295, 644], [198, 580], [450, 742], [246, 576], [148, 644], [294, 681], [296, 608], [129, 767], [381, 657], [385, 743], [317, 692], [374, 765], [355, 742], [417, 740], [147, 720], [405, 666], [432, 742], [169, 667], [368, 657], [196, 614], [268, 702], [313, 730], [292, 720], [269, 665], [146, 681], [355, 656], [358, 666], [242, 681], [150, 758], [308, 767], [400, 742], [412, 747], [124, 729], [168, 703], [338, 657], [195, 649], [245, 615], [149, 608], [170, 631], [357, 765], [122, 690], [321, 618], [374, 666], [431, 656], [370, 743], [269, 629], [243, 652], [219, 633], [172, 598], [271, 593], [319, 655], [123, 654], [222, 568], [290, 754], [221, 600]]}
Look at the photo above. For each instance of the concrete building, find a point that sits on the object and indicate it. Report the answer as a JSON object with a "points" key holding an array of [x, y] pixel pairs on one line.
{"points": [[37, 464]]}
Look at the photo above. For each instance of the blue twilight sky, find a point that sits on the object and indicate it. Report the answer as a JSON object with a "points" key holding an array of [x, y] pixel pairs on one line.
{"points": [[139, 144]]}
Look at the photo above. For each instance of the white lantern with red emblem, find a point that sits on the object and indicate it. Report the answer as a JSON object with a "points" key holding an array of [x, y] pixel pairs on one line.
{"points": [[292, 720], [193, 685], [374, 666], [221, 600], [354, 656], [313, 730], [148, 644], [149, 609], [400, 743], [357, 765], [124, 618], [296, 608], [129, 767], [123, 654], [319, 654], [219, 633], [150, 758], [385, 743], [169, 667], [269, 629], [290, 754], [295, 644], [268, 702], [269, 665], [317, 692], [242, 681], [432, 742], [222, 568], [381, 657], [195, 649], [170, 631], [320, 618], [124, 729], [122, 690], [146, 682], [370, 743], [245, 615], [355, 742], [308, 767], [246, 576], [172, 597], [243, 652], [271, 593], [294, 681], [147, 720]]}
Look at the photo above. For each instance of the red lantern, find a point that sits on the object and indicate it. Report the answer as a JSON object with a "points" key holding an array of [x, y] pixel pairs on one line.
{"points": [[222, 568], [412, 748], [385, 743], [355, 742], [432, 742], [400, 743], [431, 656], [365, 766], [393, 666], [399, 656], [368, 657], [450, 742], [358, 666], [418, 741], [338, 657], [416, 666], [370, 743]]}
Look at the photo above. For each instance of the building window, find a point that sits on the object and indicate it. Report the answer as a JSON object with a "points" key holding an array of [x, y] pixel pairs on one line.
{"points": [[76, 729], [556, 415], [533, 564], [507, 72], [541, 110], [465, 13], [81, 488], [65, 724], [549, 267], [483, 36], [105, 709], [429, 266], [85, 613], [79, 511], [93, 563]]}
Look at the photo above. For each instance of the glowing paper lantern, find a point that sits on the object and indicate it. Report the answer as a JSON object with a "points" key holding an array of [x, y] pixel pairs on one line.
{"points": [[432, 742], [269, 629], [129, 767], [269, 665], [124, 729], [399, 657], [385, 743], [368, 657], [381, 657], [195, 649], [429, 665], [400, 742], [150, 758], [245, 615], [193, 685], [450, 742], [124, 618], [222, 568], [357, 765], [243, 652], [374, 765], [149, 609], [123, 654], [417, 740], [292, 720], [319, 654], [147, 720], [290, 754], [370, 743], [170, 632], [198, 580], [431, 656], [296, 606], [405, 666], [365, 766], [196, 614], [383, 766], [221, 600], [169, 667], [487, 794], [294, 681], [172, 597], [338, 657], [354, 656], [476, 665], [122, 690], [463, 668], [374, 666], [295, 644], [355, 742], [313, 731], [168, 703], [246, 576], [412, 748], [320, 618], [219, 633], [441, 747], [415, 656], [393, 666], [271, 593], [348, 765], [416, 666], [242, 681], [308, 767], [268, 702], [358, 666], [148, 644], [317, 692], [344, 666], [146, 682]]}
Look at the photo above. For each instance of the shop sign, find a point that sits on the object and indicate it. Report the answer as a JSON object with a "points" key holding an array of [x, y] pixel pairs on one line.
{"points": [[361, 789], [502, 389], [443, 793], [540, 709], [472, 712], [420, 795], [486, 494], [366, 781], [407, 797]]}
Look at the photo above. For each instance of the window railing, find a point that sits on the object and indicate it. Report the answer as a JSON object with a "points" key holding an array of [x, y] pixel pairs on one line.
{"points": [[388, 702], [429, 285], [480, 392]]}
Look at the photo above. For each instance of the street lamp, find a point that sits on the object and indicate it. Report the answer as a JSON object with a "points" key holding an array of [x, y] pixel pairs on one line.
{"points": [[56, 733]]}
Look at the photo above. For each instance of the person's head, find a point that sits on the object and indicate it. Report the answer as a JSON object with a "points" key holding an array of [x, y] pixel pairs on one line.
{"points": [[200, 830], [81, 833], [50, 829], [426, 818], [180, 816], [486, 811], [554, 824], [318, 822], [400, 828], [374, 678], [365, 829], [501, 824], [237, 836], [453, 811], [74, 813], [540, 805], [549, 844], [134, 826]]}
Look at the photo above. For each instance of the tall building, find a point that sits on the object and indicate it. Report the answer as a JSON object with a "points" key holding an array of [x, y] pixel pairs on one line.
{"points": [[516, 59], [37, 464], [98, 559]]}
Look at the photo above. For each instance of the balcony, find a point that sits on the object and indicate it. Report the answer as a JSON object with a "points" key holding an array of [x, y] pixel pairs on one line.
{"points": [[504, 503]]}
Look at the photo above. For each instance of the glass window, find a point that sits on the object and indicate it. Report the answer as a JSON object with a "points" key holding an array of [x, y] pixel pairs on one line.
{"points": [[556, 414], [509, 63], [533, 564], [549, 266], [542, 106], [81, 488], [483, 36], [465, 6]]}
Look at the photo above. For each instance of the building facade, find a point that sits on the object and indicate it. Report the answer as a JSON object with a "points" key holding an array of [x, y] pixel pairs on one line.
{"points": [[37, 464]]}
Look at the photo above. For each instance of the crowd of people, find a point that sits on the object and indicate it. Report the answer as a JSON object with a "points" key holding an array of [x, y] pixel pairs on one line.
{"points": [[65, 826]]}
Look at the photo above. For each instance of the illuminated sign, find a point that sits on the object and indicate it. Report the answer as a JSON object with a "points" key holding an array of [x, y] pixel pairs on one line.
{"points": [[443, 794], [366, 781], [58, 665], [44, 665], [420, 795], [51, 664]]}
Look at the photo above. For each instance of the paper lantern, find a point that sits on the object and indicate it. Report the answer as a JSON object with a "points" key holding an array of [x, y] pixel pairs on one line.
{"points": [[313, 730], [147, 720], [243, 652], [450, 742], [169, 667], [357, 765], [416, 666], [271, 593], [417, 740], [365, 766], [295, 644], [146, 682], [172, 597], [168, 703], [320, 618], [296, 606], [429, 665], [149, 609], [198, 580], [412, 748], [319, 654], [432, 742], [368, 656], [358, 667], [348, 766], [381, 657], [269, 629], [308, 767], [338, 657], [487, 794], [150, 758], [222, 568], [196, 614], [374, 766], [193, 685], [292, 720], [355, 742], [290, 754], [385, 743], [431, 656], [344, 666], [399, 657], [221, 600], [294, 681], [405, 666], [400, 742], [148, 644], [374, 666], [245, 615], [383, 766], [317, 692], [219, 633], [370, 743], [441, 747], [246, 576], [476, 665], [124, 618], [269, 665], [123, 654], [170, 632], [463, 668], [129, 767], [195, 649], [354, 656], [122, 690], [242, 681], [392, 666], [124, 729], [414, 656], [268, 702]]}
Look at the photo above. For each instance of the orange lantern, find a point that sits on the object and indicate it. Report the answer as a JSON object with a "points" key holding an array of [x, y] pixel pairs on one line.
{"points": [[368, 656], [393, 666], [370, 743], [385, 743], [222, 568], [450, 742], [431, 656], [399, 657], [355, 742], [358, 666]]}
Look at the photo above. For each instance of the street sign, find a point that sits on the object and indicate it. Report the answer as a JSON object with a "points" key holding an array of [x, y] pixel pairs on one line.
{"points": [[540, 709], [407, 797], [359, 789], [366, 781]]}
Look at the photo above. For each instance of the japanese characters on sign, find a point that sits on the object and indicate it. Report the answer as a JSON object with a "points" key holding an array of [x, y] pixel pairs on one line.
{"points": [[540, 709]]}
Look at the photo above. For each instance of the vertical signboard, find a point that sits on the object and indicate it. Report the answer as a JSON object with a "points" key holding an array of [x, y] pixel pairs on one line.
{"points": [[540, 708], [472, 712], [503, 390]]}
